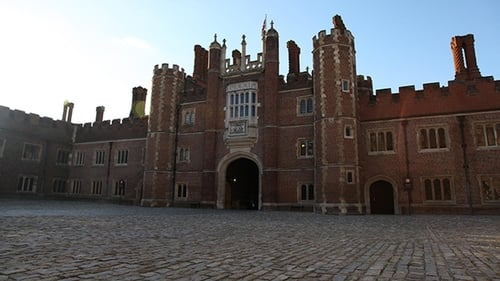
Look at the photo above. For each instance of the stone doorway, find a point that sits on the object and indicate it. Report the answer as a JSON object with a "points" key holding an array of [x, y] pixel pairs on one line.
{"points": [[381, 198], [242, 185]]}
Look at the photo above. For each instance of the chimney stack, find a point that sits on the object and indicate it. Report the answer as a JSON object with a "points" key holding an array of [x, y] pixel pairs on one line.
{"points": [[99, 114], [67, 111], [138, 102]]}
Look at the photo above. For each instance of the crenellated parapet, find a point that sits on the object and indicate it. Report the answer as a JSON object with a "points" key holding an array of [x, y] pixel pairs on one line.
{"points": [[29, 124], [338, 34], [127, 128], [164, 69], [482, 94]]}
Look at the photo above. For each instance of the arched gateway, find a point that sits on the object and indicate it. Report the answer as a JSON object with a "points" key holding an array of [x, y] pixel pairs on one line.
{"points": [[239, 183], [242, 185]]}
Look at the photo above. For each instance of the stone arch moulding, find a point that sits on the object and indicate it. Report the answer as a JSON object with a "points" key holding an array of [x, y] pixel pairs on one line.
{"points": [[221, 175], [370, 181]]}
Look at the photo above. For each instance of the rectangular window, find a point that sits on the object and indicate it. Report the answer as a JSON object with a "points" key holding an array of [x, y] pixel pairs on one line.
{"points": [[32, 152], [306, 148], [438, 189], [348, 132], [76, 186], [181, 191], [490, 188], [242, 102], [99, 157], [119, 188], [349, 175], [96, 188], [62, 157], [27, 184], [2, 146], [183, 154], [188, 116], [306, 192], [487, 135], [345, 86], [432, 138], [59, 186], [305, 106], [122, 157], [79, 158], [380, 141]]}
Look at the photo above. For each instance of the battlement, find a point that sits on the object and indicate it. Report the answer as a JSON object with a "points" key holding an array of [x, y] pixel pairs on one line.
{"points": [[126, 128], [164, 69], [15, 117], [338, 34], [250, 65], [482, 94], [32, 124]]}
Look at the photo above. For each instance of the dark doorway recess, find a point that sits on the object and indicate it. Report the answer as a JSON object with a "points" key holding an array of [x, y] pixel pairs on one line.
{"points": [[242, 185], [381, 198]]}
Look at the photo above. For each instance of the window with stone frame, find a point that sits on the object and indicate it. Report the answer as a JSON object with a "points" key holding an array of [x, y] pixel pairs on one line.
{"points": [[380, 141], [305, 148], [432, 138], [32, 152], [62, 157], [306, 192], [183, 154], [181, 191], [188, 116], [349, 177], [348, 132], [59, 186], [487, 135], [345, 85], [119, 189], [241, 108], [99, 157], [305, 105], [76, 186], [438, 189], [27, 183], [96, 187], [79, 158], [490, 188], [122, 157]]}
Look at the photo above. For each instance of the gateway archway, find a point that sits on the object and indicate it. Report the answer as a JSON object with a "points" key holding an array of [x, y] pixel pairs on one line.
{"points": [[242, 185], [381, 198]]}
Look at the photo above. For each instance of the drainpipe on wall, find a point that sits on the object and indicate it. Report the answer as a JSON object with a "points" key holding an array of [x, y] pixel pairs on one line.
{"points": [[407, 181], [176, 141], [108, 172], [461, 121]]}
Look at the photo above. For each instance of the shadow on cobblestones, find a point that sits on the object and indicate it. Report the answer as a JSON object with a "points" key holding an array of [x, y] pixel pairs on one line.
{"points": [[53, 240]]}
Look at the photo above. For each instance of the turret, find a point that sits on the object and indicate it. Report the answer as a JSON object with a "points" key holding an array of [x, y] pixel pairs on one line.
{"points": [[336, 118], [168, 84]]}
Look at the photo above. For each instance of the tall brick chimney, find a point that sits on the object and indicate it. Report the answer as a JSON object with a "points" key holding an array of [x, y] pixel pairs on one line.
{"points": [[293, 58], [67, 111], [464, 57], [138, 102], [99, 115]]}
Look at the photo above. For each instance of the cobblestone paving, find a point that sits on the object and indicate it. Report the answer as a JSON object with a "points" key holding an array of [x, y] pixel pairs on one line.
{"points": [[54, 240]]}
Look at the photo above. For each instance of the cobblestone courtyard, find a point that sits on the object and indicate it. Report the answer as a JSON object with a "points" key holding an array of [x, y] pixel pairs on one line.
{"points": [[54, 240]]}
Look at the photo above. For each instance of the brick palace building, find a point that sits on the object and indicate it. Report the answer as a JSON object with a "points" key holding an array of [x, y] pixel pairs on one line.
{"points": [[238, 135]]}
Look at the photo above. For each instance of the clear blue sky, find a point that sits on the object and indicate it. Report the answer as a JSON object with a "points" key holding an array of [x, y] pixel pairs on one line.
{"points": [[92, 52]]}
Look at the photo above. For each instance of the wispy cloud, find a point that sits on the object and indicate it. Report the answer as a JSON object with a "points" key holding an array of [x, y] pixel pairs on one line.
{"points": [[135, 42]]}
